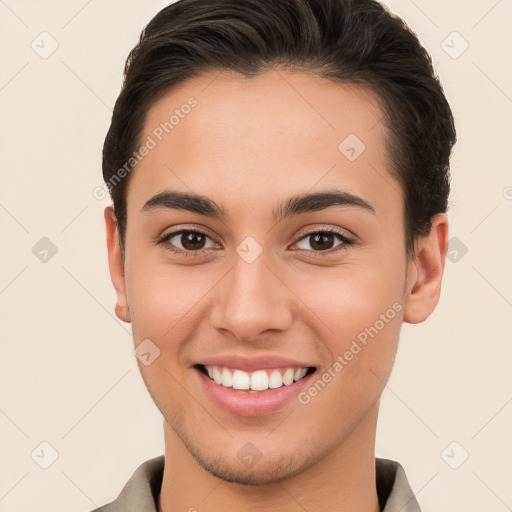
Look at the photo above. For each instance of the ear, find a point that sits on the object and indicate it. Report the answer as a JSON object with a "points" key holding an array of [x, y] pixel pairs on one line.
{"points": [[116, 264], [425, 272]]}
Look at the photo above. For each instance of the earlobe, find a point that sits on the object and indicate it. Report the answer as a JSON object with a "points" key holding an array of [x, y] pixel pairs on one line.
{"points": [[425, 272], [116, 264]]}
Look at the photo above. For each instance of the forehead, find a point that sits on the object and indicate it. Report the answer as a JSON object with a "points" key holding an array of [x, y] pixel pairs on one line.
{"points": [[279, 132]]}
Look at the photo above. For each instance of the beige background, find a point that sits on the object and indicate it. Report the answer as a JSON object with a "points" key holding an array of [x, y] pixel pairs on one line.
{"points": [[67, 372]]}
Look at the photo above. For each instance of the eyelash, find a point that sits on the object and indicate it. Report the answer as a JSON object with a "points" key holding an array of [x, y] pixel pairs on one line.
{"points": [[341, 236]]}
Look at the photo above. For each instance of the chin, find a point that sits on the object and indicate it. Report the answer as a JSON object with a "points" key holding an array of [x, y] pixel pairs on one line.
{"points": [[264, 471], [270, 468]]}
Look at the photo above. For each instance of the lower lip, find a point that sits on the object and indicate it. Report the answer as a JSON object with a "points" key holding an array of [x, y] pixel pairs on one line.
{"points": [[243, 403]]}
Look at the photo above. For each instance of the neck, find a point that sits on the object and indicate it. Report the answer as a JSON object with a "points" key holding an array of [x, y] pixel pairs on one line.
{"points": [[343, 480]]}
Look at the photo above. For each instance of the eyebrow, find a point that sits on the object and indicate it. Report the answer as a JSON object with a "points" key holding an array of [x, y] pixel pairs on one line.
{"points": [[296, 205]]}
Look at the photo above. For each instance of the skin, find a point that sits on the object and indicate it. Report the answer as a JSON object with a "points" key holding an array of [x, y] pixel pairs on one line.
{"points": [[249, 145]]}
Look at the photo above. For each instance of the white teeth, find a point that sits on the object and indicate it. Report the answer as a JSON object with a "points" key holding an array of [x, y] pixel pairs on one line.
{"points": [[275, 380], [299, 374], [227, 379], [217, 376], [259, 380], [240, 379], [288, 377]]}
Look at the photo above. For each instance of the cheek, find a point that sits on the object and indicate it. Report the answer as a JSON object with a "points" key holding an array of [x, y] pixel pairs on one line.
{"points": [[160, 301], [153, 298], [364, 316], [166, 302], [361, 307], [350, 299], [158, 293]]}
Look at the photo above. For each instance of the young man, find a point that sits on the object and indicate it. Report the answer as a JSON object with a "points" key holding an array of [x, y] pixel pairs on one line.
{"points": [[280, 172]]}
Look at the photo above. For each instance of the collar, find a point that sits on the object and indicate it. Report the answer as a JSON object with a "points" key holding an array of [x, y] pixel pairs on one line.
{"points": [[141, 492]]}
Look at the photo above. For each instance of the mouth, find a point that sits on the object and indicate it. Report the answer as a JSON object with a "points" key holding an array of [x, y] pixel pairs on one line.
{"points": [[259, 385], [257, 381]]}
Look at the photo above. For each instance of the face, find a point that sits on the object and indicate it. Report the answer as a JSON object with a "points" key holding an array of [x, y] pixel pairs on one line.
{"points": [[255, 284]]}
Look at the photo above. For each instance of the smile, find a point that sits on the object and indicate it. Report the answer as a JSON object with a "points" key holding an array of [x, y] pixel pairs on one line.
{"points": [[253, 386], [255, 381]]}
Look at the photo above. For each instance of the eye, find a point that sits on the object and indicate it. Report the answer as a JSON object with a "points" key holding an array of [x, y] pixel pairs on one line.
{"points": [[186, 242], [321, 241], [192, 242]]}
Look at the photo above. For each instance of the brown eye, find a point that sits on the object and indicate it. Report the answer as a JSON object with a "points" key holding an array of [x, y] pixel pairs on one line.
{"points": [[323, 241], [187, 241], [192, 241]]}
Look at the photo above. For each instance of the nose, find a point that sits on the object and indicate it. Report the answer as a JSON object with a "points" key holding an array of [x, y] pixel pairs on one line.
{"points": [[250, 300]]}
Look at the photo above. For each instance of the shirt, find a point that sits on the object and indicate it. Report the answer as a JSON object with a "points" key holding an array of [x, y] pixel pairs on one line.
{"points": [[141, 492]]}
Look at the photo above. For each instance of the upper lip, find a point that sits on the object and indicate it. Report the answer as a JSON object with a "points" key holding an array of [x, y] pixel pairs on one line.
{"points": [[249, 364]]}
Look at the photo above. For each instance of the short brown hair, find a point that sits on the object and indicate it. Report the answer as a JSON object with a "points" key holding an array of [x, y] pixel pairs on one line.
{"points": [[346, 41]]}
